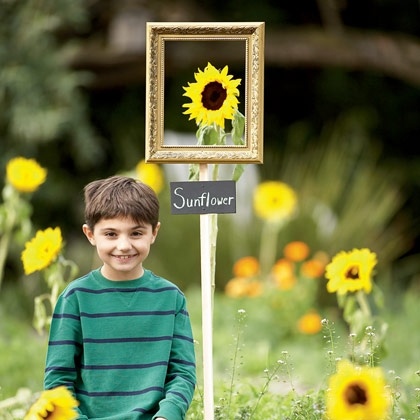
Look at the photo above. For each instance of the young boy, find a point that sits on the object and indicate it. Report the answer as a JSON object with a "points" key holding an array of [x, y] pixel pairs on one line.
{"points": [[121, 336]]}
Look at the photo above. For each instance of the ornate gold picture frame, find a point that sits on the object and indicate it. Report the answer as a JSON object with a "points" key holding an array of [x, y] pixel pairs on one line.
{"points": [[186, 46]]}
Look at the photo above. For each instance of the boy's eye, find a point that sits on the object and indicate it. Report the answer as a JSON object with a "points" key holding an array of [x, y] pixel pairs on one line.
{"points": [[110, 234], [137, 233]]}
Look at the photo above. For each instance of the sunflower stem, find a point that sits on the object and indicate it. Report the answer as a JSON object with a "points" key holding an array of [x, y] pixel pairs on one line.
{"points": [[268, 246], [363, 304], [9, 225], [4, 246]]}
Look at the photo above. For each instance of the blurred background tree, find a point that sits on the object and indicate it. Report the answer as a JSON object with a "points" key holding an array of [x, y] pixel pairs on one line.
{"points": [[341, 119]]}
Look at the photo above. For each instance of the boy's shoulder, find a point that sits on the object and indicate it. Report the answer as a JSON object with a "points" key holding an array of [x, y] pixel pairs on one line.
{"points": [[86, 281], [160, 281]]}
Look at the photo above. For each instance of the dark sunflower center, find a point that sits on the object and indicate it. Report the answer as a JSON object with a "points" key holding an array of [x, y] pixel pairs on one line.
{"points": [[213, 96], [353, 273], [355, 395]]}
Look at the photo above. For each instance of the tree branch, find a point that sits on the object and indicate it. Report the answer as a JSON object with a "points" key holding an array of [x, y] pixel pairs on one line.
{"points": [[393, 55]]}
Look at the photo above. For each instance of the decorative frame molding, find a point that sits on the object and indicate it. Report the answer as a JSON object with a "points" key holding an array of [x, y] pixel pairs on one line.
{"points": [[158, 34]]}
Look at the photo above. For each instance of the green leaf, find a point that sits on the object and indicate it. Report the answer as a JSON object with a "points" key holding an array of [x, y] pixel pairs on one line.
{"points": [[212, 135], [349, 307], [238, 128], [378, 297], [194, 172], [238, 170]]}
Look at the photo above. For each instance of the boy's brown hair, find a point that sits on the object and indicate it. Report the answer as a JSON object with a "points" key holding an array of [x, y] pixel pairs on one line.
{"points": [[120, 196]]}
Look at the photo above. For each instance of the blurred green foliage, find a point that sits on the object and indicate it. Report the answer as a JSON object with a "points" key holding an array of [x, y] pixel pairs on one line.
{"points": [[345, 141]]}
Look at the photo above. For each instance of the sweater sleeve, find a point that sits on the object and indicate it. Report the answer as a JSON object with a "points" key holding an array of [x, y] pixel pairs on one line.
{"points": [[181, 375], [64, 347]]}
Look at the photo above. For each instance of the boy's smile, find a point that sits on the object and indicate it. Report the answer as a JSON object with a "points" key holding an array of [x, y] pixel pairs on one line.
{"points": [[122, 245]]}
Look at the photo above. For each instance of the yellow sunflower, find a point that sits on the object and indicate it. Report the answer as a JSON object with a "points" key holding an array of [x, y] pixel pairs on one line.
{"points": [[54, 404], [357, 393], [213, 95], [25, 175], [151, 174], [42, 250], [351, 271], [274, 201]]}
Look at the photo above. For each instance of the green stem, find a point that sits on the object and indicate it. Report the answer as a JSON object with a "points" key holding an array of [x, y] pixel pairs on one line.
{"points": [[364, 305], [5, 240], [268, 246]]}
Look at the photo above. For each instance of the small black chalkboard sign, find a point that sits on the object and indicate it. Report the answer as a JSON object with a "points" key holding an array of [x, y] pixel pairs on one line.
{"points": [[202, 197]]}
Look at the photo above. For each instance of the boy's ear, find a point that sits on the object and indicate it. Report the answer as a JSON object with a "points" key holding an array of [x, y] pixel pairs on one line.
{"points": [[155, 232], [89, 234]]}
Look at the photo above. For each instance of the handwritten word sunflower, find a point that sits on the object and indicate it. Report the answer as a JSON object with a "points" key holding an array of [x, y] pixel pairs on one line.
{"points": [[25, 175], [54, 404], [274, 201], [42, 250], [357, 393], [351, 271], [213, 95]]}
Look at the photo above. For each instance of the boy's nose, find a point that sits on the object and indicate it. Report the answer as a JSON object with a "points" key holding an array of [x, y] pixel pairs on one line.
{"points": [[123, 244]]}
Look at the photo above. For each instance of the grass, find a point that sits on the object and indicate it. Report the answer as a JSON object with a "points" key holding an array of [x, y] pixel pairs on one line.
{"points": [[255, 376], [287, 378]]}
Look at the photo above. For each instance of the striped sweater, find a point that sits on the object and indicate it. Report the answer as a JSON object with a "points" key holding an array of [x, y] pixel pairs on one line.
{"points": [[125, 349]]}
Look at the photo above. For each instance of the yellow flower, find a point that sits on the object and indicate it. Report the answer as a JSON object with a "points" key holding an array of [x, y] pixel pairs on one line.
{"points": [[296, 251], [357, 393], [351, 271], [310, 323], [274, 201], [246, 267], [42, 250], [213, 96], [54, 404], [151, 174], [25, 175]]}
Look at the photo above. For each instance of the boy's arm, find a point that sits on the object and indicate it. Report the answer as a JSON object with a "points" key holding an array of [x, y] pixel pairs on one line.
{"points": [[181, 375], [64, 348]]}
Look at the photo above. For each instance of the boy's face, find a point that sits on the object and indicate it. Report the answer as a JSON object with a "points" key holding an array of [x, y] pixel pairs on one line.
{"points": [[122, 245]]}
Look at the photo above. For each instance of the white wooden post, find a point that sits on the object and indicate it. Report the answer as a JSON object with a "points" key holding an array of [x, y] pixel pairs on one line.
{"points": [[207, 307]]}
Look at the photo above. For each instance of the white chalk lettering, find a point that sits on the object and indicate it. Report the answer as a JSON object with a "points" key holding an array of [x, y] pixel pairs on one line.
{"points": [[203, 200]]}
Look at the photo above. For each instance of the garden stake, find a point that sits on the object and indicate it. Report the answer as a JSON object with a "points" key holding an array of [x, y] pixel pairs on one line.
{"points": [[207, 307]]}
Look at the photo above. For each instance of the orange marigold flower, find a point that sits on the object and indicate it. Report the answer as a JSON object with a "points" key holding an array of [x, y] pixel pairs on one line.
{"points": [[296, 251], [246, 267], [239, 287], [255, 288], [236, 287], [313, 268], [310, 323], [283, 274]]}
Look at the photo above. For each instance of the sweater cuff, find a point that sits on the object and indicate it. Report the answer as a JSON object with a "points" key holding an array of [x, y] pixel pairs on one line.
{"points": [[169, 410]]}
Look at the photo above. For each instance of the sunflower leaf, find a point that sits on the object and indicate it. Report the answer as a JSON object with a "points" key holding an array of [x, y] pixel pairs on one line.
{"points": [[210, 135], [238, 170], [194, 172], [238, 128]]}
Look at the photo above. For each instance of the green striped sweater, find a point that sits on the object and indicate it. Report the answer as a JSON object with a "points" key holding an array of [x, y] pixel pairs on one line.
{"points": [[125, 349]]}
